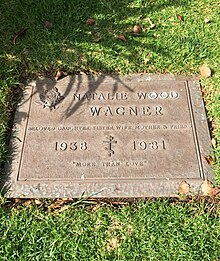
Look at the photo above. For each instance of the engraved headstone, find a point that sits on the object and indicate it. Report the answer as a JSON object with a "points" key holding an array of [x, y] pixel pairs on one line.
{"points": [[108, 136]]}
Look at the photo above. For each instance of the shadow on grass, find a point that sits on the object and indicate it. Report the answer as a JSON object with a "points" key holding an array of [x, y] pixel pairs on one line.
{"points": [[72, 44]]}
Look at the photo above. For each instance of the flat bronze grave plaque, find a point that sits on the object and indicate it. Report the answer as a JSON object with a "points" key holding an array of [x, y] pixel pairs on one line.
{"points": [[108, 136]]}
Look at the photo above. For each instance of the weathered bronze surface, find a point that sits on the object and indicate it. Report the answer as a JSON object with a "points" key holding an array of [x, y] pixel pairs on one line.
{"points": [[109, 136]]}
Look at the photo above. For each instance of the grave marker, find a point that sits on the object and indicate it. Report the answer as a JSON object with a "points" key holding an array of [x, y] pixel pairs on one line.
{"points": [[109, 136]]}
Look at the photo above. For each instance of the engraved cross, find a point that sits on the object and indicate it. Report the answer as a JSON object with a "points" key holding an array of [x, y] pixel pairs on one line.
{"points": [[110, 143]]}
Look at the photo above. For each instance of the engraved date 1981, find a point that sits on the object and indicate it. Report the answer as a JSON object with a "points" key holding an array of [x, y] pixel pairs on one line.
{"points": [[149, 145]]}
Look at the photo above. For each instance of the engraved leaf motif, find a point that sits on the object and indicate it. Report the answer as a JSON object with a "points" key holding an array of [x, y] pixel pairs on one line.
{"points": [[50, 98]]}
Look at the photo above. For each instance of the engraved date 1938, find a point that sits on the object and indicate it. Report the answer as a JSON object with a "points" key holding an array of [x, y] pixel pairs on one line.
{"points": [[62, 146]]}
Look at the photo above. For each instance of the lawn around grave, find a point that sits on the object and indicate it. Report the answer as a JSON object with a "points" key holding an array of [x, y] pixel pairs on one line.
{"points": [[57, 35]]}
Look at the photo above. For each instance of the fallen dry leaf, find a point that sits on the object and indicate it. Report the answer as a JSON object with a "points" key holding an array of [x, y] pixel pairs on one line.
{"points": [[208, 189], [19, 200], [19, 34], [214, 143], [90, 21], [136, 29], [113, 243], [146, 60], [60, 202], [57, 203], [97, 37], [204, 93], [63, 208], [210, 160], [184, 188], [37, 202], [152, 25], [23, 201], [122, 38], [205, 71], [48, 24], [215, 191], [179, 17], [59, 75], [67, 199], [27, 202], [207, 20]]}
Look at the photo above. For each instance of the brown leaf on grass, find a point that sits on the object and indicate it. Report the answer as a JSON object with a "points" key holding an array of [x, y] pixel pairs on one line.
{"points": [[184, 188], [207, 20], [214, 143], [152, 25], [59, 202], [136, 29], [60, 74], [62, 208], [19, 200], [208, 189], [97, 37], [37, 202], [179, 17], [215, 191], [27, 202], [122, 38], [19, 34], [90, 21], [205, 71], [210, 160], [204, 93], [23, 201], [48, 25], [67, 199], [113, 243]]}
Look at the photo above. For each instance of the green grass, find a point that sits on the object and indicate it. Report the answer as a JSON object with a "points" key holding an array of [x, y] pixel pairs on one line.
{"points": [[144, 231], [156, 230]]}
